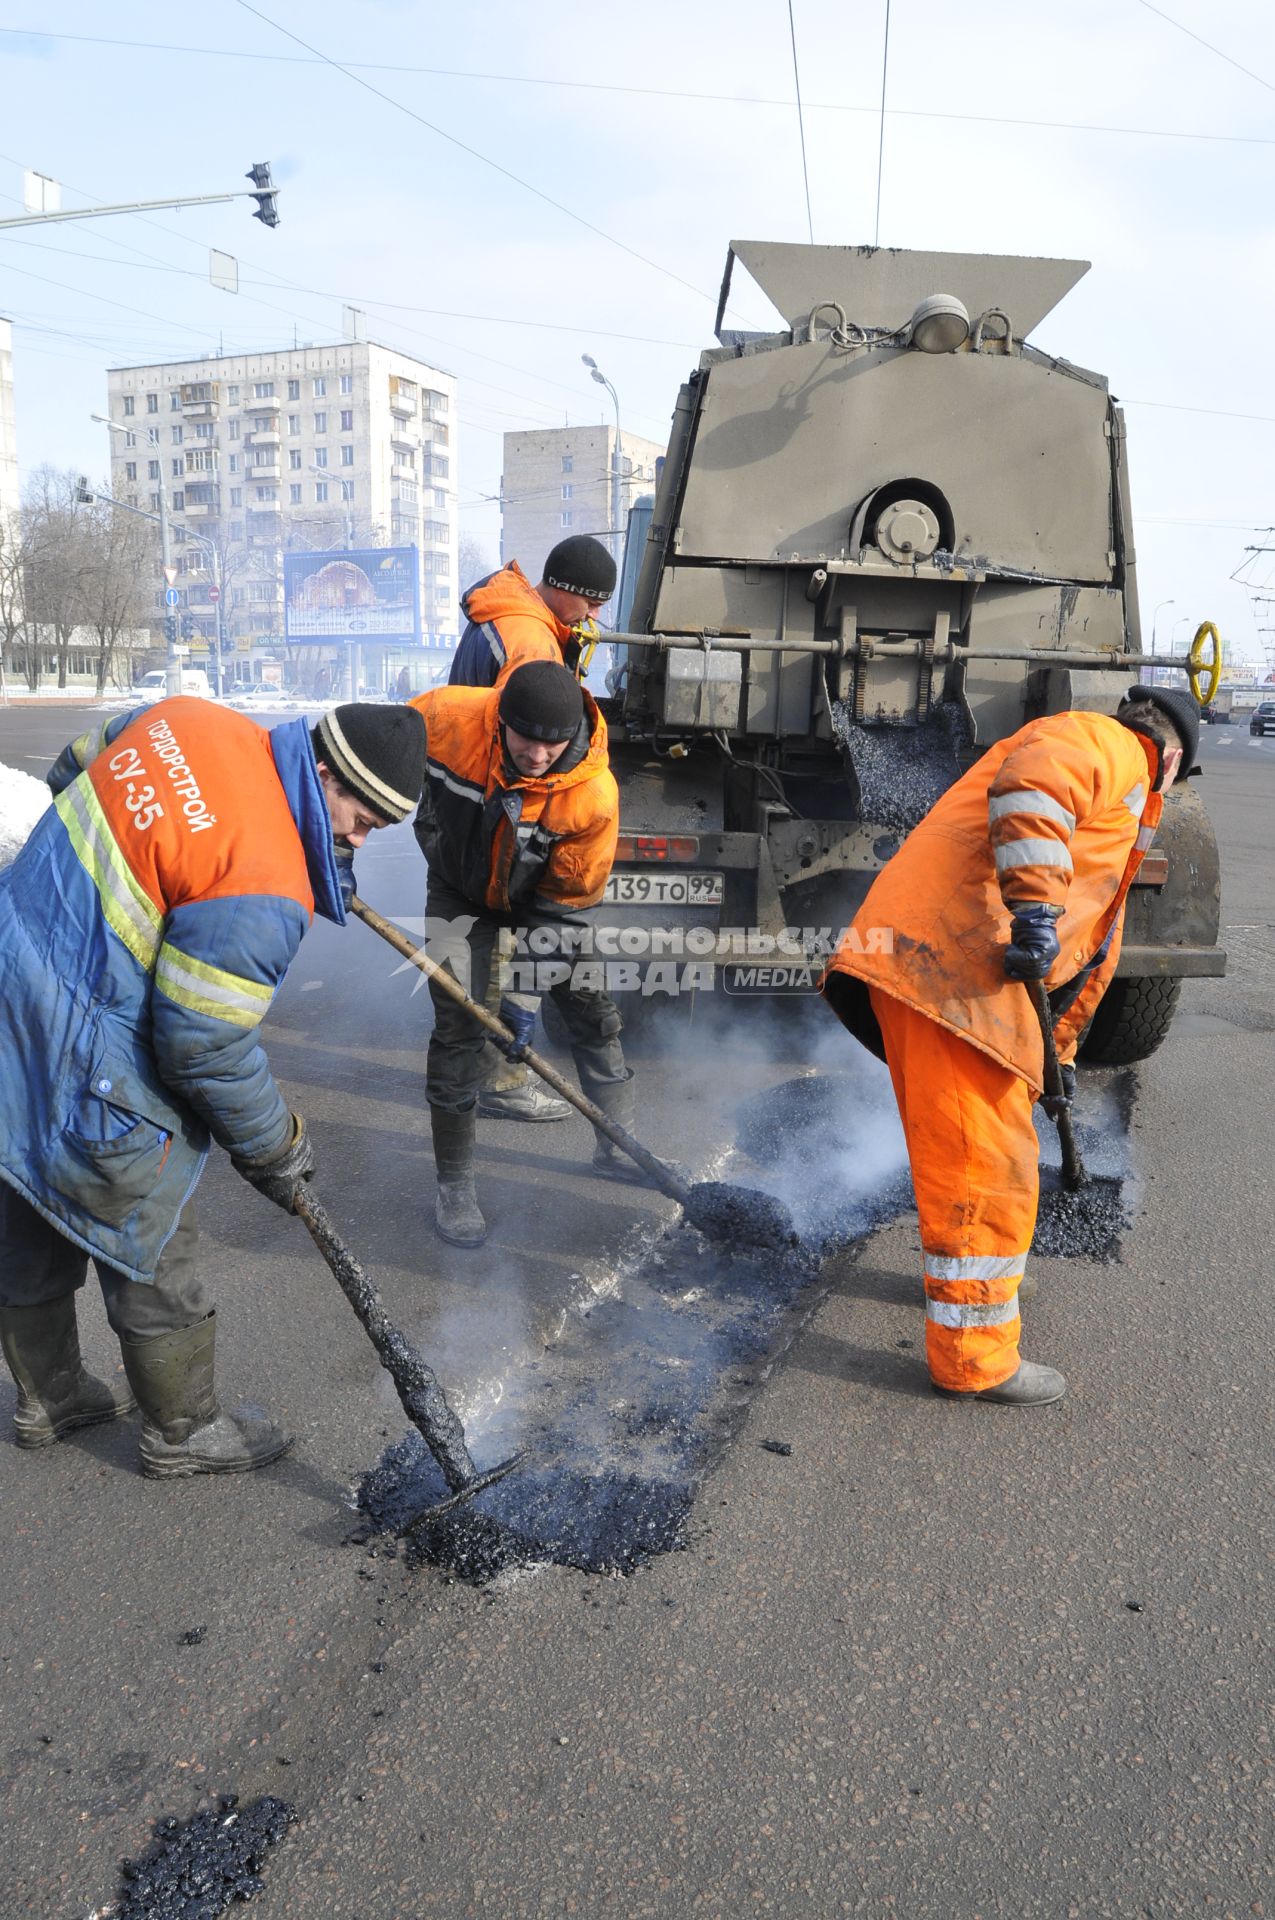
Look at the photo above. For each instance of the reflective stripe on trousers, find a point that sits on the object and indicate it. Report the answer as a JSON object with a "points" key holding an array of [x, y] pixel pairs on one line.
{"points": [[975, 1172]]}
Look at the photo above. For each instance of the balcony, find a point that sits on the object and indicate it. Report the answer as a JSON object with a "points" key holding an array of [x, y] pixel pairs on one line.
{"points": [[264, 475], [264, 437], [273, 405], [199, 400], [272, 507], [195, 509], [403, 400]]}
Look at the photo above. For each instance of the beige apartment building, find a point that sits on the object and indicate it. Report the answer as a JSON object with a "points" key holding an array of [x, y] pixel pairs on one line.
{"points": [[563, 480], [343, 446]]}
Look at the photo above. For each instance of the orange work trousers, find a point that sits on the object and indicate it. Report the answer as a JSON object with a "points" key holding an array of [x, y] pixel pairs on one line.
{"points": [[976, 1176]]}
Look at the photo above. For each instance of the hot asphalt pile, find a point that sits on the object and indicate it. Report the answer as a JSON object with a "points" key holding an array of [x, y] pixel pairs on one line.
{"points": [[901, 771], [194, 1871]]}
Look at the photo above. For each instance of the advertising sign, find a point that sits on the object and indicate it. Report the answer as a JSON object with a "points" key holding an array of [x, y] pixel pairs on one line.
{"points": [[372, 595]]}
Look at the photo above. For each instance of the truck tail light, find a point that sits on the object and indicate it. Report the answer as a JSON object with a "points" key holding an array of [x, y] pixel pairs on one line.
{"points": [[633, 847]]}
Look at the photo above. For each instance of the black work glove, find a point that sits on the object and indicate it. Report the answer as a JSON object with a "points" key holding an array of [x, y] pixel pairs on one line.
{"points": [[1033, 943], [280, 1176], [521, 1022], [1055, 1104], [345, 872]]}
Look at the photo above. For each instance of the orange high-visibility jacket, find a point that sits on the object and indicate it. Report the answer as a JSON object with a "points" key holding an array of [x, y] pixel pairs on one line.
{"points": [[509, 624], [1060, 813], [507, 842]]}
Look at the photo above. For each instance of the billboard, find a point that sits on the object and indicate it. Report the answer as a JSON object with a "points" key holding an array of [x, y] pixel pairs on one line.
{"points": [[369, 595]]}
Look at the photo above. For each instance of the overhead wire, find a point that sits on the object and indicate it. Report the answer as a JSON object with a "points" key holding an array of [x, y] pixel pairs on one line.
{"points": [[801, 122], [885, 68], [1200, 41]]}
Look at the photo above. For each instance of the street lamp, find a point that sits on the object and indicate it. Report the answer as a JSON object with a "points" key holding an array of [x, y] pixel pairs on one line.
{"points": [[595, 373], [172, 659]]}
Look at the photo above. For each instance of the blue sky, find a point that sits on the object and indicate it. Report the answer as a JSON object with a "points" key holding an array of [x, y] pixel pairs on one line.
{"points": [[544, 182]]}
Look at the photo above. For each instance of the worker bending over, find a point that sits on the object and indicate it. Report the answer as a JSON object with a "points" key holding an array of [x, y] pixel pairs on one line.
{"points": [[1019, 873], [144, 930], [518, 823], [509, 623]]}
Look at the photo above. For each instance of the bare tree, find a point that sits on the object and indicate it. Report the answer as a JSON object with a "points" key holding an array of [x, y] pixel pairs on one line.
{"points": [[113, 581], [56, 549], [473, 561], [12, 611]]}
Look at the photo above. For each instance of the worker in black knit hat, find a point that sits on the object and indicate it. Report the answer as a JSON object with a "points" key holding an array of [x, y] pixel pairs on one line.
{"points": [[518, 823], [144, 930], [510, 622]]}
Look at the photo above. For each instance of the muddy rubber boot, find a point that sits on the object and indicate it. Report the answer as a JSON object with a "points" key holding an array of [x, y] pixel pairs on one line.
{"points": [[457, 1218], [184, 1429], [42, 1348], [618, 1100], [1031, 1386]]}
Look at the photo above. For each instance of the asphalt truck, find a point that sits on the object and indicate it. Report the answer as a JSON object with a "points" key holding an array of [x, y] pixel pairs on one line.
{"points": [[885, 535]]}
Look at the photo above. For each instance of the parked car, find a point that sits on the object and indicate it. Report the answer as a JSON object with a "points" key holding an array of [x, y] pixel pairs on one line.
{"points": [[1263, 718], [154, 685]]}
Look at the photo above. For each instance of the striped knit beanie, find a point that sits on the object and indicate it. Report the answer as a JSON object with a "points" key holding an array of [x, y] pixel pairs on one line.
{"points": [[378, 753]]}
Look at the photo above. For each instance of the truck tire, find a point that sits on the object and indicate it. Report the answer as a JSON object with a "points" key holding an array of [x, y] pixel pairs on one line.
{"points": [[1132, 1020]]}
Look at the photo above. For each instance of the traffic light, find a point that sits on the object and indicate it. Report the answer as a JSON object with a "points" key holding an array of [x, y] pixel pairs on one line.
{"points": [[83, 492], [266, 212], [170, 629], [188, 626]]}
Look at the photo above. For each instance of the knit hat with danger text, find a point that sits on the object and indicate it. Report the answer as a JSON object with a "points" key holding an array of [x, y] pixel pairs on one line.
{"points": [[378, 753], [583, 566]]}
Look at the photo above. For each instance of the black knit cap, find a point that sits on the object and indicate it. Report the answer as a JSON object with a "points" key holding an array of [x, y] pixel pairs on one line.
{"points": [[542, 700], [378, 753], [581, 565], [1178, 707]]}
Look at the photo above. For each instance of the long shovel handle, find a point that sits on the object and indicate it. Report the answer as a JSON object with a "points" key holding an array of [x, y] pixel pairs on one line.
{"points": [[662, 1174], [1073, 1167]]}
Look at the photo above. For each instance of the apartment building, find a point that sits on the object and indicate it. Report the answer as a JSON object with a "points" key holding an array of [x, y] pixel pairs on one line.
{"points": [[350, 445], [8, 428], [562, 480]]}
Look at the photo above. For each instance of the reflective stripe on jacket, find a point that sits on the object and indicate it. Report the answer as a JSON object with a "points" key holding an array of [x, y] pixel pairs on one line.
{"points": [[144, 929], [1060, 813], [508, 624], [506, 842]]}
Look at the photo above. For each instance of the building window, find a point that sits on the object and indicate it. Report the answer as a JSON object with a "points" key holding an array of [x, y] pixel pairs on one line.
{"points": [[347, 419], [347, 383], [204, 430], [567, 491], [294, 494], [441, 436], [320, 422], [568, 463], [565, 520], [233, 463], [236, 526], [320, 386], [294, 459], [130, 469], [440, 497], [232, 431], [294, 389], [294, 423], [236, 496], [440, 466], [129, 406], [152, 469], [436, 402], [132, 499], [263, 390], [130, 439], [152, 403], [179, 500], [152, 436], [320, 456], [347, 456], [154, 503], [201, 460], [175, 401], [179, 468], [347, 491], [320, 491], [232, 396], [267, 493], [177, 436]]}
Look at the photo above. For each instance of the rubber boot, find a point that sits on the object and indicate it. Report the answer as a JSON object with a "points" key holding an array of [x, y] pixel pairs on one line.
{"points": [[184, 1429], [1031, 1386], [618, 1100], [456, 1212], [42, 1347]]}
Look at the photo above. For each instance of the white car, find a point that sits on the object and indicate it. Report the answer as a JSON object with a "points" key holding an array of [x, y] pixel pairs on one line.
{"points": [[154, 685]]}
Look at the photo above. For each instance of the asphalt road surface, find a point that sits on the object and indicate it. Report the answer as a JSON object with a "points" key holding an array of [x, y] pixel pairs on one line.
{"points": [[938, 1660]]}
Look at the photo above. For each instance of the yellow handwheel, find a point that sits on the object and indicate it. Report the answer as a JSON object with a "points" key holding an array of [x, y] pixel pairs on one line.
{"points": [[1203, 674]]}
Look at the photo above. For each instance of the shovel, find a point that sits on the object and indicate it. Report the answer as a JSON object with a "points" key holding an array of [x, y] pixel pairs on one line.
{"points": [[1074, 1175], [416, 1383], [739, 1216]]}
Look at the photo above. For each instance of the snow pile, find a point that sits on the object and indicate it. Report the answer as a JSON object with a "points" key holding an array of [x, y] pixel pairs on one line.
{"points": [[22, 801]]}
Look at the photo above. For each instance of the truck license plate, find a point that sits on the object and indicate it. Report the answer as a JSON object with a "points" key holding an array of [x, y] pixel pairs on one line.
{"points": [[665, 889]]}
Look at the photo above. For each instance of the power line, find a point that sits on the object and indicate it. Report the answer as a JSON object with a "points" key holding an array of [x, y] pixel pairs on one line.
{"points": [[1200, 42], [1215, 413], [662, 93], [474, 153], [801, 122], [885, 67]]}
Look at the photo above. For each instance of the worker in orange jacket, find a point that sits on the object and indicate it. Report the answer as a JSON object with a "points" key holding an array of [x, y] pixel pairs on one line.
{"points": [[518, 823], [1019, 873], [508, 623]]}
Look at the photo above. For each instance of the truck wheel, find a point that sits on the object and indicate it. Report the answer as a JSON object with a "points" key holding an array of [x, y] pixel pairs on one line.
{"points": [[1132, 1020]]}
